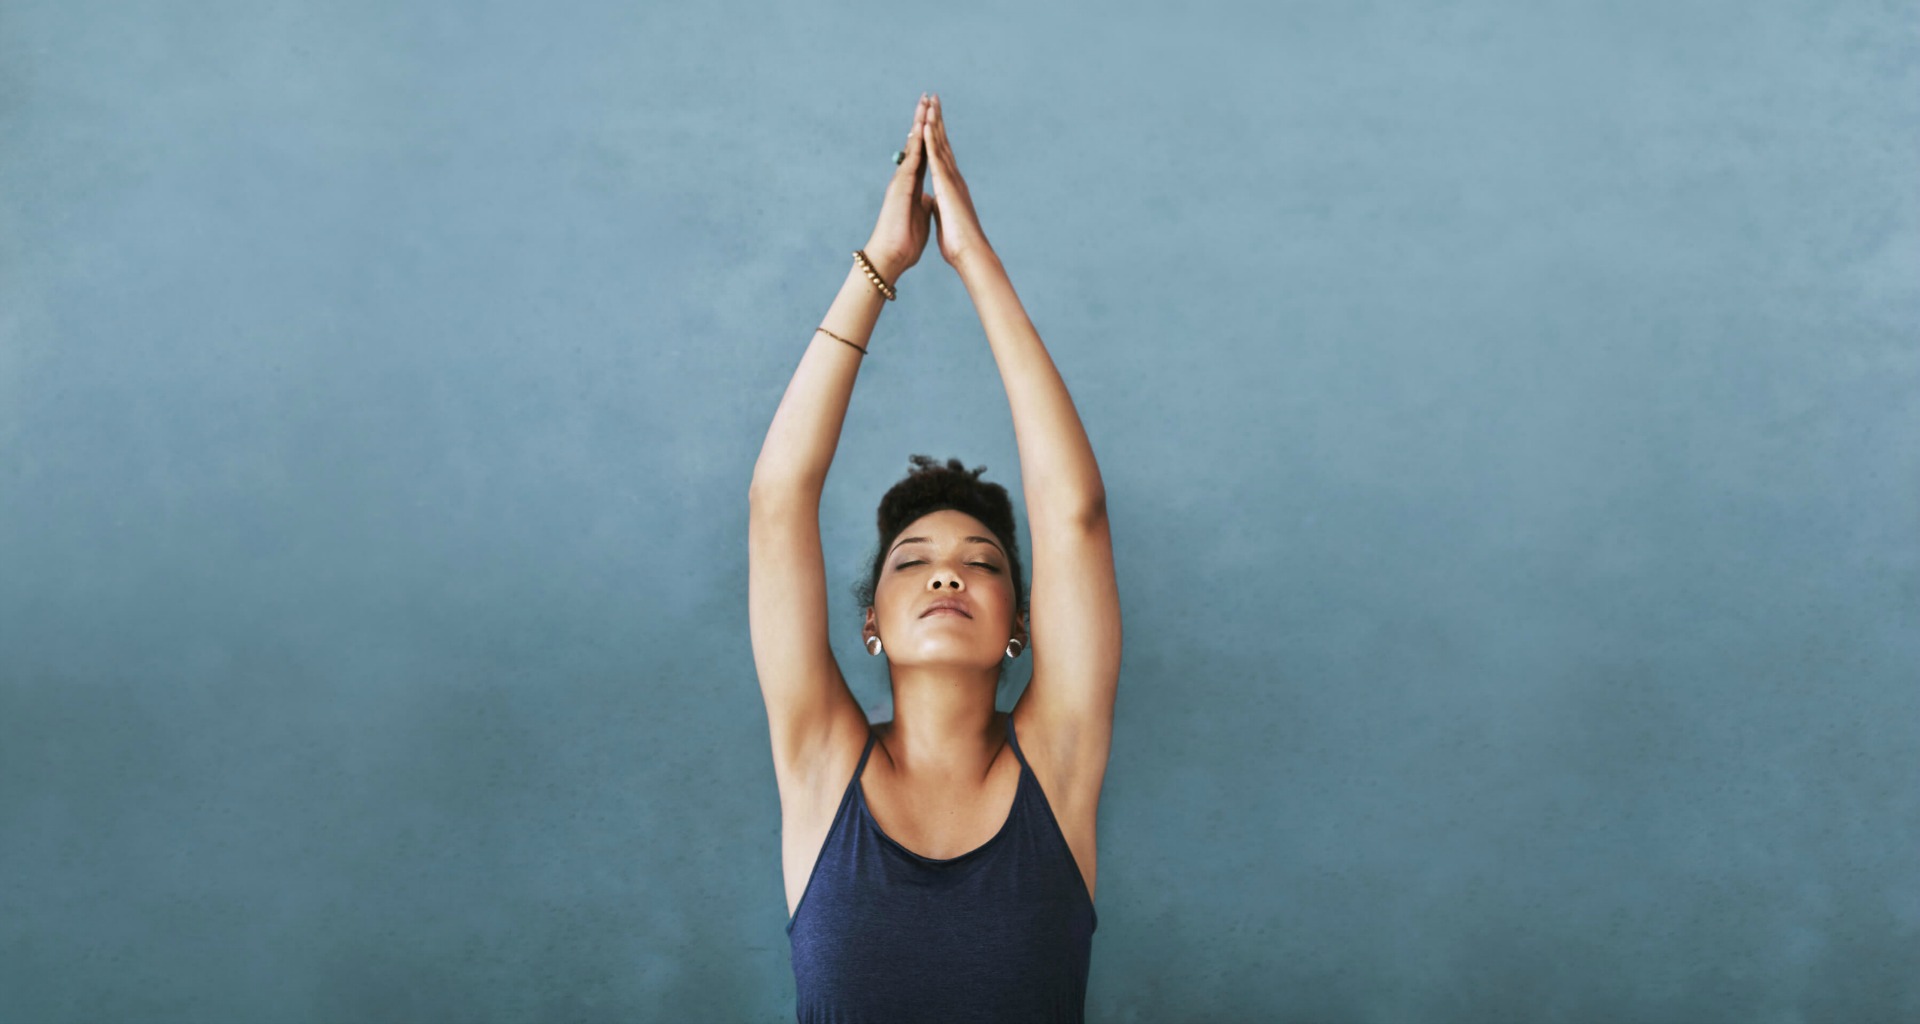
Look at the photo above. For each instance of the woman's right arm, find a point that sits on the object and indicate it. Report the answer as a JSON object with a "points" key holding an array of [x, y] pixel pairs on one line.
{"points": [[807, 697], [808, 702], [806, 428]]}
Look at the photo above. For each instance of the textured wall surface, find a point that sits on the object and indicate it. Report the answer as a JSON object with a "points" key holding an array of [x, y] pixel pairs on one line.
{"points": [[1510, 417]]}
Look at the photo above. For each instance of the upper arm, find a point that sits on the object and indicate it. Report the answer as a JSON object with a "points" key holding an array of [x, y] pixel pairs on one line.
{"points": [[806, 696], [1075, 625]]}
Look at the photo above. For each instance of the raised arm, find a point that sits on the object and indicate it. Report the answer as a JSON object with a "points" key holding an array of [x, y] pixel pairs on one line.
{"points": [[806, 427], [1075, 619], [1057, 469], [806, 696]]}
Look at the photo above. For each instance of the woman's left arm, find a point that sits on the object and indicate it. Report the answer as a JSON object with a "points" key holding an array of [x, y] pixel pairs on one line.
{"points": [[1075, 618], [1075, 615]]}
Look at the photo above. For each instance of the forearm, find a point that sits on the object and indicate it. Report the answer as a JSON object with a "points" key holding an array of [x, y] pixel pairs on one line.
{"points": [[806, 427], [1057, 468]]}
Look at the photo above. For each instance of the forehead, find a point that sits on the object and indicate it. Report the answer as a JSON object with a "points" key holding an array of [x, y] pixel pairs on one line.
{"points": [[945, 528], [945, 521]]}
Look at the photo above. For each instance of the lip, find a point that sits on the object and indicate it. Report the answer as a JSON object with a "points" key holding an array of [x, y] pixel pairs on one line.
{"points": [[946, 606]]}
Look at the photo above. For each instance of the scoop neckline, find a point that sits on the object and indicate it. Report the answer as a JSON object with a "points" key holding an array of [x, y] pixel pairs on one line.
{"points": [[1019, 790]]}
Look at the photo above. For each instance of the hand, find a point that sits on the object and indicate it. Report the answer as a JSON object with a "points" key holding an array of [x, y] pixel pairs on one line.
{"points": [[960, 236], [902, 232]]}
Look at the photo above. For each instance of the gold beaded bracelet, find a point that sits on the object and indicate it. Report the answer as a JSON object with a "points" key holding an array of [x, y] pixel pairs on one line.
{"points": [[873, 275]]}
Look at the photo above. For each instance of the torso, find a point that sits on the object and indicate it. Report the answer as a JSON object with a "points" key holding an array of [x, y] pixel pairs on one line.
{"points": [[940, 825]]}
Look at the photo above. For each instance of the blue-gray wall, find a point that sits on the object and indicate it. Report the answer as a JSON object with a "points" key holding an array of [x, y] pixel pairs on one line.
{"points": [[1510, 415]]}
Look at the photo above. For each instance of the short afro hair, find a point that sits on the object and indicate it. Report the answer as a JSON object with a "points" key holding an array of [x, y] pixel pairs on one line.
{"points": [[930, 487]]}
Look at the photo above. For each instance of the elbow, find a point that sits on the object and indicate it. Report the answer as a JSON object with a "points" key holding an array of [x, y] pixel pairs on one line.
{"points": [[1092, 512]]}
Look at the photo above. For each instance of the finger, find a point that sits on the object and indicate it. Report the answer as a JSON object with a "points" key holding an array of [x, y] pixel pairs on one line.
{"points": [[905, 180], [917, 156], [937, 115], [917, 138], [944, 166], [915, 161], [936, 151]]}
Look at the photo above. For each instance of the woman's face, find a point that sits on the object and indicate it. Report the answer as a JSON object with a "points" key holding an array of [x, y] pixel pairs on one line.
{"points": [[945, 554]]}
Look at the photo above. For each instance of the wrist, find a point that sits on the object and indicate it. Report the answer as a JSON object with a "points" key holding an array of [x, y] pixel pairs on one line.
{"points": [[977, 261], [888, 267]]}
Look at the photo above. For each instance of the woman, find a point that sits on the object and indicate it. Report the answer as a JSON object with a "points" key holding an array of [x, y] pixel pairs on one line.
{"points": [[939, 866]]}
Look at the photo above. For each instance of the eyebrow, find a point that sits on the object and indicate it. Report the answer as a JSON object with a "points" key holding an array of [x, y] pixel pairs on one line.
{"points": [[924, 540]]}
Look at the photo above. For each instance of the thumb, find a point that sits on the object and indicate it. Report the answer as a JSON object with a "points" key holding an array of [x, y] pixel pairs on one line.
{"points": [[933, 179], [914, 163], [905, 181], [917, 160], [930, 208]]}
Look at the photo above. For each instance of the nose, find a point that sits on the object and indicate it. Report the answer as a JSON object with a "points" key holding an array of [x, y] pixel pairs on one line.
{"points": [[953, 582]]}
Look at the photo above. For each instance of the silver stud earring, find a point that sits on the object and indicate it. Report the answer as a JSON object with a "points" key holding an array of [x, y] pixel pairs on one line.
{"points": [[1014, 647], [873, 645]]}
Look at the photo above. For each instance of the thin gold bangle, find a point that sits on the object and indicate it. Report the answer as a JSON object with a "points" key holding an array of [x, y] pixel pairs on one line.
{"points": [[836, 337]]}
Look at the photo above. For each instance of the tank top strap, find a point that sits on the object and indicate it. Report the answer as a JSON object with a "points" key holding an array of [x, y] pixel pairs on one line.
{"points": [[1015, 740], [862, 766]]}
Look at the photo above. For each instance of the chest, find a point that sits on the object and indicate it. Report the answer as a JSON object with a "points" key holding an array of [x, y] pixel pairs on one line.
{"points": [[938, 824], [941, 823]]}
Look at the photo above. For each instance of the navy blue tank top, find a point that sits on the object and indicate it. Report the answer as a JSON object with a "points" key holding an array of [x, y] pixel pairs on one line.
{"points": [[1002, 932]]}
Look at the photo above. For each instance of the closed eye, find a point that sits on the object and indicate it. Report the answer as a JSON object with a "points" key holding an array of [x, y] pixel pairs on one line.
{"points": [[984, 565]]}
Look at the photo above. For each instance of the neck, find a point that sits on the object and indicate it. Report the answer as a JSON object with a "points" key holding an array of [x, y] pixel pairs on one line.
{"points": [[944, 726]]}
